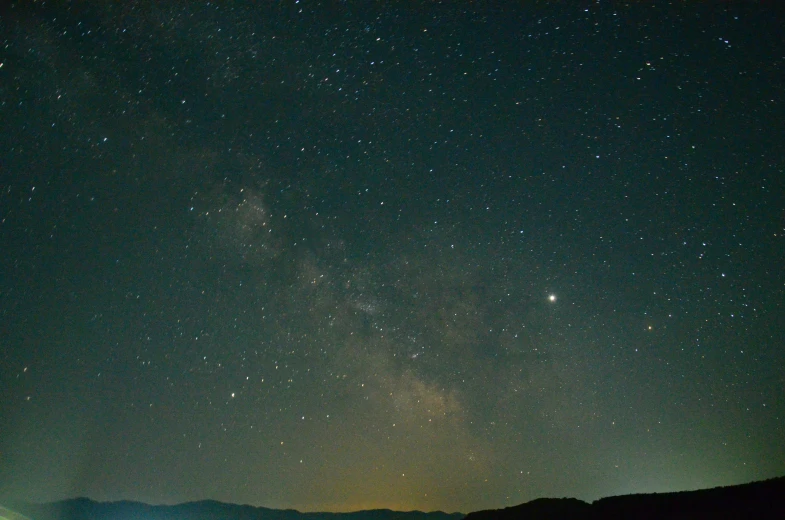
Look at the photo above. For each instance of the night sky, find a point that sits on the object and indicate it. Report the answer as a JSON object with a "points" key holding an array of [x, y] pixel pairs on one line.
{"points": [[423, 256]]}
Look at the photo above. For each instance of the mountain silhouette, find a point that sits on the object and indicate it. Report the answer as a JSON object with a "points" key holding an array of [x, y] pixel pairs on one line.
{"points": [[756, 500], [86, 509]]}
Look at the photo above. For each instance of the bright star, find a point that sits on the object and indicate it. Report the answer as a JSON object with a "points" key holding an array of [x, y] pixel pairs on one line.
{"points": [[552, 298]]}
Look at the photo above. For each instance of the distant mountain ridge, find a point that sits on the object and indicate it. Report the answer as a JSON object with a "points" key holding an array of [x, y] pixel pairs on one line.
{"points": [[86, 509], [756, 500]]}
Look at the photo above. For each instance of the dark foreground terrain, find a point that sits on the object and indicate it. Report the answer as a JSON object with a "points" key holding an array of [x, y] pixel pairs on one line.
{"points": [[756, 500]]}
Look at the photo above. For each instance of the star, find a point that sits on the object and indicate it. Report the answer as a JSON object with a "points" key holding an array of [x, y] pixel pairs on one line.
{"points": [[551, 297]]}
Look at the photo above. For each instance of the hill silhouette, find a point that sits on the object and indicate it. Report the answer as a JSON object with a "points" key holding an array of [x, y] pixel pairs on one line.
{"points": [[756, 500], [86, 509]]}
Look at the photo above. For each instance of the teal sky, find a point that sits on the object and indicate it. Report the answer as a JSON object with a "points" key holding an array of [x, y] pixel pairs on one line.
{"points": [[337, 256]]}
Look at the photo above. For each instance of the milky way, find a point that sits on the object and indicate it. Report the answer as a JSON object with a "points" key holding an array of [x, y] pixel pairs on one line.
{"points": [[414, 257]]}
